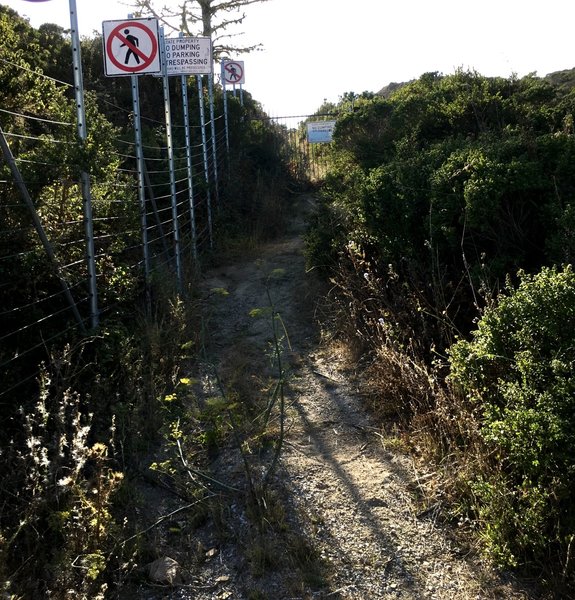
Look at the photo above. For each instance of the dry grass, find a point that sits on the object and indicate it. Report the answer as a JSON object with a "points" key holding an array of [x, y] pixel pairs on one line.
{"points": [[409, 398]]}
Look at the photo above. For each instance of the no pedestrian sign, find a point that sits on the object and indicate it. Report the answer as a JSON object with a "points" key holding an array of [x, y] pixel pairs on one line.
{"points": [[233, 72], [131, 47], [188, 56]]}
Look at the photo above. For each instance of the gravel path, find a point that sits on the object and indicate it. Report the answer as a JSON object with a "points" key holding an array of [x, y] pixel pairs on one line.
{"points": [[346, 523]]}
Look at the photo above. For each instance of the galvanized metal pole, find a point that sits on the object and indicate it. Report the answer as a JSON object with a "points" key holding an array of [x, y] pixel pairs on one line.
{"points": [[214, 141], [188, 137], [152, 199], [84, 177], [141, 168], [170, 143], [9, 158], [226, 112], [205, 153]]}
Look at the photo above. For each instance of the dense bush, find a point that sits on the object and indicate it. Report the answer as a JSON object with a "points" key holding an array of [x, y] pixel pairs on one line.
{"points": [[437, 195], [519, 368], [456, 182]]}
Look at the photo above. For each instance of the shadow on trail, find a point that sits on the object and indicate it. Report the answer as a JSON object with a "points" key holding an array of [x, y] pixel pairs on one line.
{"points": [[390, 563]]}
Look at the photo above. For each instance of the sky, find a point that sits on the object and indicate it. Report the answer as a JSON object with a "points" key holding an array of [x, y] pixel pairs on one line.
{"points": [[316, 50]]}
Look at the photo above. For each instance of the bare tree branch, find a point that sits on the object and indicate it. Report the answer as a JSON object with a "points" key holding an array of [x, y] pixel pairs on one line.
{"points": [[203, 17]]}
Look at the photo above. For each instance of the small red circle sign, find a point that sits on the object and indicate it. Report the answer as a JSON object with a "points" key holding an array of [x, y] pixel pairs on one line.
{"points": [[132, 46], [233, 72]]}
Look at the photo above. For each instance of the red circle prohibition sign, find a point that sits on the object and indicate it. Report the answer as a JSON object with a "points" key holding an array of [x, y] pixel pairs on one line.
{"points": [[230, 71], [146, 60]]}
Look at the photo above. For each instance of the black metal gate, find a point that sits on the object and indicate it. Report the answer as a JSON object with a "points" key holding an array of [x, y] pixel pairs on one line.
{"points": [[307, 161]]}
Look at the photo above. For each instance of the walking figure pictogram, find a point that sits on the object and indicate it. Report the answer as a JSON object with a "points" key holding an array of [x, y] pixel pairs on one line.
{"points": [[131, 47], [233, 73], [133, 40]]}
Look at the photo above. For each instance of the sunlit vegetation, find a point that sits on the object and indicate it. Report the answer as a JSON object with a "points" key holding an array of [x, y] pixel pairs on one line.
{"points": [[447, 230]]}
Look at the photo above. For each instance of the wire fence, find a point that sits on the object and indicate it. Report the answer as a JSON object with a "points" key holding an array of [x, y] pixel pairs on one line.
{"points": [[307, 161], [44, 294], [153, 205]]}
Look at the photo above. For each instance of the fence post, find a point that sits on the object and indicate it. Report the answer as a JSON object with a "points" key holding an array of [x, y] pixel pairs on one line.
{"points": [[189, 165], [223, 78], [84, 177], [205, 153], [214, 141], [152, 199], [9, 158], [141, 178], [168, 113]]}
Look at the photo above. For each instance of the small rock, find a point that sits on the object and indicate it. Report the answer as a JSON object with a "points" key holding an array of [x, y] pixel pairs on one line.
{"points": [[165, 570], [223, 579], [212, 552]]}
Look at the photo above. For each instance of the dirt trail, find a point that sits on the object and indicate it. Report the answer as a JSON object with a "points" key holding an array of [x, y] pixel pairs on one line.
{"points": [[351, 525]]}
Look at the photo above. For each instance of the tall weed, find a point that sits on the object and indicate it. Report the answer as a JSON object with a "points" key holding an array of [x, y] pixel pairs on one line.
{"points": [[56, 521]]}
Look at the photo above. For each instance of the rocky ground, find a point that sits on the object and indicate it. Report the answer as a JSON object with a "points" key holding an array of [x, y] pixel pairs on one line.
{"points": [[340, 517]]}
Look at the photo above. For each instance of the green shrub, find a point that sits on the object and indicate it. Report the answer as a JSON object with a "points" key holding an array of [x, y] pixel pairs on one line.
{"points": [[519, 370]]}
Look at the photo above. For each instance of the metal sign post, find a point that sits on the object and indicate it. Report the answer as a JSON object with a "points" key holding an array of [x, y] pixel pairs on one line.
{"points": [[186, 107], [189, 165], [188, 56], [205, 153], [141, 176], [214, 141], [84, 177], [226, 123], [170, 142]]}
